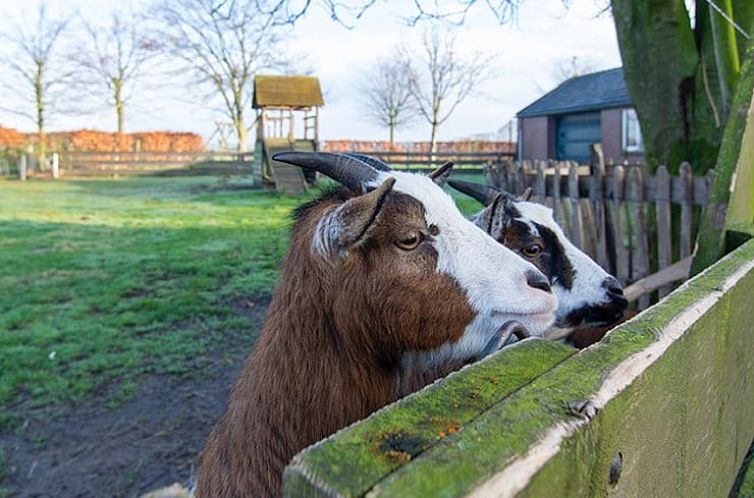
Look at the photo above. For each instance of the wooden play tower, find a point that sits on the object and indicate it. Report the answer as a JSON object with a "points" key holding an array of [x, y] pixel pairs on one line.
{"points": [[278, 101]]}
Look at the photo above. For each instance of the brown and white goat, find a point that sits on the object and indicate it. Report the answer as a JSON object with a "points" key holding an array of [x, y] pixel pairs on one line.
{"points": [[587, 295], [381, 267]]}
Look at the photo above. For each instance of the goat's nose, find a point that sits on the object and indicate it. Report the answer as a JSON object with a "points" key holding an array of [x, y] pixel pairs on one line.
{"points": [[538, 281], [613, 286]]}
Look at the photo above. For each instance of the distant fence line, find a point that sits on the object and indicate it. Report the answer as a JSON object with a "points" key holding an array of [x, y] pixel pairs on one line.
{"points": [[129, 163], [424, 161], [606, 212]]}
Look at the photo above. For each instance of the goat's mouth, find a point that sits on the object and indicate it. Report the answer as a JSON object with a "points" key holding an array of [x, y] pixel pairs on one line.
{"points": [[594, 316]]}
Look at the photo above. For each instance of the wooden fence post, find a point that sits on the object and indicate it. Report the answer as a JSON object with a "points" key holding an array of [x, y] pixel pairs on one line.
{"points": [[55, 165], [621, 255], [22, 166], [664, 233], [686, 179], [540, 188], [577, 229], [557, 207], [596, 193], [640, 263]]}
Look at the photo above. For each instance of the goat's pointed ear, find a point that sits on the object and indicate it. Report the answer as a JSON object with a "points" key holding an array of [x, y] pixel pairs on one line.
{"points": [[348, 224], [527, 194], [441, 174]]}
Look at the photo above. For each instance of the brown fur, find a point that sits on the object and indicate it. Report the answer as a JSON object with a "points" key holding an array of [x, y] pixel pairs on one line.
{"points": [[331, 344]]}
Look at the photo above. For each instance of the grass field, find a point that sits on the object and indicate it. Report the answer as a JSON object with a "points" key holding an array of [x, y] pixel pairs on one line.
{"points": [[102, 281]]}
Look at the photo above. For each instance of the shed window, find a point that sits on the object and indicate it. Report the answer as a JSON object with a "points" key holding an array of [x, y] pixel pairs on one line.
{"points": [[631, 140]]}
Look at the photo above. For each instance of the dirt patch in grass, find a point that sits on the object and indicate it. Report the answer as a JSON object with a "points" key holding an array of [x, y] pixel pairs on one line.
{"points": [[152, 440]]}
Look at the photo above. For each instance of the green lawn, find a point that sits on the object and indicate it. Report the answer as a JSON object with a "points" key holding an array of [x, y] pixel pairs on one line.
{"points": [[104, 280]]}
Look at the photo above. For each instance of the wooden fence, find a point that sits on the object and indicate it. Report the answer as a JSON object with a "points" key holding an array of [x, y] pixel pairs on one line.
{"points": [[161, 163], [425, 162], [632, 223]]}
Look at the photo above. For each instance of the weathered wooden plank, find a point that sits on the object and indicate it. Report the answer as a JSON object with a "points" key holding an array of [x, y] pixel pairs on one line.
{"points": [[656, 401], [621, 255], [598, 205], [539, 184], [557, 206], [640, 263], [664, 229], [686, 182], [673, 273], [577, 228], [358, 457]]}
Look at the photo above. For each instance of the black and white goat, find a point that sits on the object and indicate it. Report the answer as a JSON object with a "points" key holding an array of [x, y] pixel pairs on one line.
{"points": [[587, 294], [380, 267]]}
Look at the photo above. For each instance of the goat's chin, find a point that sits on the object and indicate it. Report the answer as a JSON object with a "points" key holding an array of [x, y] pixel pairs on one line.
{"points": [[535, 323]]}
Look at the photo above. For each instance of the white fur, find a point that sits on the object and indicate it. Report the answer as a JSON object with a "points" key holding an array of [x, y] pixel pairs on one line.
{"points": [[493, 277], [587, 286]]}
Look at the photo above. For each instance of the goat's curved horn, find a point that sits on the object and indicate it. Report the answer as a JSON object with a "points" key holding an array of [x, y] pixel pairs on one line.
{"points": [[346, 170], [483, 193], [371, 161], [441, 174]]}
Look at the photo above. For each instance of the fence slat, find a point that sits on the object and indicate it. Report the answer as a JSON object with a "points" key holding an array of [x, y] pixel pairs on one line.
{"points": [[577, 229], [557, 207], [539, 185], [598, 205], [621, 256], [687, 208], [640, 264], [664, 233], [520, 178]]}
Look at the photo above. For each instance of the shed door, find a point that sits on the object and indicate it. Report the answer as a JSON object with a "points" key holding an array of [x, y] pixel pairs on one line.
{"points": [[575, 133]]}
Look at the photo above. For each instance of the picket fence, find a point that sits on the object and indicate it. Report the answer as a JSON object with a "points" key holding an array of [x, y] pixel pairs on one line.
{"points": [[632, 223]]}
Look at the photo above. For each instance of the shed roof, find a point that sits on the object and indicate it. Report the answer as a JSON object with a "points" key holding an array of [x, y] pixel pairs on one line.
{"points": [[591, 92], [286, 91]]}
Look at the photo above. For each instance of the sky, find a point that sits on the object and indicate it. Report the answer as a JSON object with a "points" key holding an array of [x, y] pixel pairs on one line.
{"points": [[543, 34]]}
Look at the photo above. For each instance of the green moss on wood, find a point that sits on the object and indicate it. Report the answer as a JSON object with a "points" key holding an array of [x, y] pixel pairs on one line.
{"points": [[358, 457], [506, 431]]}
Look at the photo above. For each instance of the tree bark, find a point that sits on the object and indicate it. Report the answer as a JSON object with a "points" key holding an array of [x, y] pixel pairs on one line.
{"points": [[655, 35], [433, 141], [118, 97], [241, 132], [40, 115]]}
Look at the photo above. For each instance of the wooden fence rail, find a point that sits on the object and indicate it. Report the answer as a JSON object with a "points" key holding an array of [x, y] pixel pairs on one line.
{"points": [[632, 223], [424, 161], [81, 163]]}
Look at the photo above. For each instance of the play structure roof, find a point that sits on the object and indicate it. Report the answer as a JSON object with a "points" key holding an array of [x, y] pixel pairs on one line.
{"points": [[286, 91]]}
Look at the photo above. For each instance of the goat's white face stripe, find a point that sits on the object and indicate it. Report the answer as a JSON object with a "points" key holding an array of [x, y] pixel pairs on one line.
{"points": [[586, 288], [493, 277]]}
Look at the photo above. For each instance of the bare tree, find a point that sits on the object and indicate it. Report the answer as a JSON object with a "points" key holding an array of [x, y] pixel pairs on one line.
{"points": [[224, 43], [34, 79], [571, 68], [110, 65], [385, 96], [440, 79]]}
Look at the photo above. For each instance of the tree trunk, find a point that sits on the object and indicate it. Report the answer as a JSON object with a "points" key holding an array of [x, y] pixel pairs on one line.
{"points": [[391, 127], [40, 115], [117, 94], [241, 132], [672, 76], [433, 141]]}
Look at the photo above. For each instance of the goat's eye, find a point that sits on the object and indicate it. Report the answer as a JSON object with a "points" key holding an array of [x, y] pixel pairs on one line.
{"points": [[532, 251], [410, 241]]}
